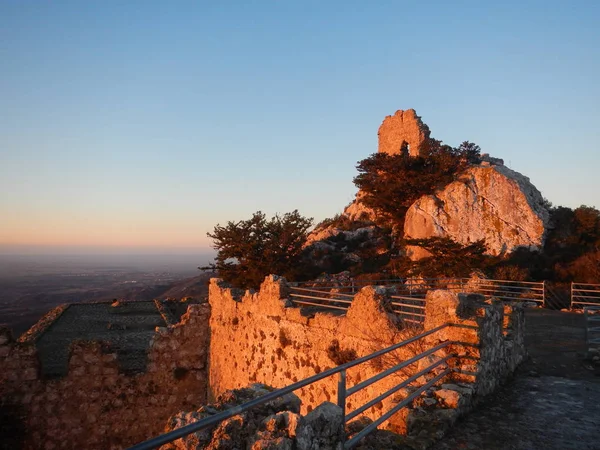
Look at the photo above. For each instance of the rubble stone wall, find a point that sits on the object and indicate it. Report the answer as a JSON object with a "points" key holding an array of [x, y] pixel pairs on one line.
{"points": [[261, 337], [490, 333], [243, 338], [96, 406]]}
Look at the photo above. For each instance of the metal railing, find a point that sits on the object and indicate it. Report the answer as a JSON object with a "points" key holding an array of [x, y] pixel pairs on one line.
{"points": [[592, 327], [409, 300], [322, 298], [407, 286], [585, 294], [343, 392], [409, 308], [540, 292], [510, 290]]}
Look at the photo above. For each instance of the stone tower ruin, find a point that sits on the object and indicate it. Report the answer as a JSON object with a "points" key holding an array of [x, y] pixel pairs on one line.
{"points": [[404, 131]]}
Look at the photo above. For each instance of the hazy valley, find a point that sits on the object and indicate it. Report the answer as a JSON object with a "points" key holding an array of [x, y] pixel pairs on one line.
{"points": [[32, 285]]}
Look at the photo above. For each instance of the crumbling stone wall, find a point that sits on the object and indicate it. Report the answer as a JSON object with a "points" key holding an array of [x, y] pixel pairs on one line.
{"points": [[95, 406], [261, 337], [403, 130], [491, 334]]}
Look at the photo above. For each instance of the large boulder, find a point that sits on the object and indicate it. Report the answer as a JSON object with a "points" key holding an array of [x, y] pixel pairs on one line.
{"points": [[488, 202]]}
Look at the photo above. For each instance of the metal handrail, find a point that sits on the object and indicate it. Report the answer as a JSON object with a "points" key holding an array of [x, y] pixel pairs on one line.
{"points": [[587, 292], [312, 297], [368, 429], [502, 289], [341, 370], [485, 280], [396, 388], [321, 291], [515, 292], [330, 299], [303, 302], [407, 305], [406, 297], [584, 297], [369, 381], [421, 281]]}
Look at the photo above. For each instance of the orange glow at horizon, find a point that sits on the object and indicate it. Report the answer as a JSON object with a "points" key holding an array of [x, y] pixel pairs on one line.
{"points": [[81, 231]]}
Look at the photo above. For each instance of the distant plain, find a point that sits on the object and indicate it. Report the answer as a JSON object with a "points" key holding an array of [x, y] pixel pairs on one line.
{"points": [[31, 285]]}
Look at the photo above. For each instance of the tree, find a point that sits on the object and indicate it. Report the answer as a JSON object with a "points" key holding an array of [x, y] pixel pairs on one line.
{"points": [[470, 151], [392, 183], [448, 257], [573, 244], [249, 250]]}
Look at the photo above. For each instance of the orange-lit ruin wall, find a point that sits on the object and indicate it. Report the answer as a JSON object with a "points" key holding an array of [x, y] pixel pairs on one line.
{"points": [[247, 337], [95, 406]]}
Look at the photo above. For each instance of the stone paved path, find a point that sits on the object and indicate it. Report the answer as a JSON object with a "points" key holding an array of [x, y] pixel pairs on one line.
{"points": [[533, 413], [553, 402]]}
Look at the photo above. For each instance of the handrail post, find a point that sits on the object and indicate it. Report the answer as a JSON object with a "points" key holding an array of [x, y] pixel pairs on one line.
{"points": [[544, 294], [342, 400], [571, 299], [587, 337]]}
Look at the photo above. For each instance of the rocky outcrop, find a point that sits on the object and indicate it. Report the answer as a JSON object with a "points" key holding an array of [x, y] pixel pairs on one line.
{"points": [[403, 131], [357, 210], [489, 202], [275, 425]]}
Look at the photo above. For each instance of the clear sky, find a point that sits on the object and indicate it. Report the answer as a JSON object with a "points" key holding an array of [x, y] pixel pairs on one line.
{"points": [[142, 124]]}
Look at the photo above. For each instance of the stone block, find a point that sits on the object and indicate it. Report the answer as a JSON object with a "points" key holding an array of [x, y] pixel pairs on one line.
{"points": [[448, 397]]}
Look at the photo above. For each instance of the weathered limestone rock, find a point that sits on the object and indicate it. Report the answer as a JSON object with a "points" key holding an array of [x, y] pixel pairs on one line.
{"points": [[403, 130], [492, 203], [274, 425], [322, 429], [449, 397], [269, 426], [357, 211]]}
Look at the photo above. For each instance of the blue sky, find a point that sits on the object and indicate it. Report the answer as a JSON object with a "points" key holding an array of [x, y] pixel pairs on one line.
{"points": [[142, 124]]}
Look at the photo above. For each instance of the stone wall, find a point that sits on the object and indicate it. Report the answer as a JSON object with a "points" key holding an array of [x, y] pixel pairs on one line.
{"points": [[96, 406], [261, 337], [403, 130], [491, 334]]}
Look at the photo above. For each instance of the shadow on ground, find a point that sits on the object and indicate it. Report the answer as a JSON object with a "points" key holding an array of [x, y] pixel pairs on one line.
{"points": [[551, 403]]}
